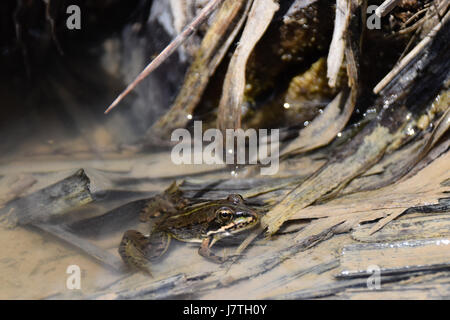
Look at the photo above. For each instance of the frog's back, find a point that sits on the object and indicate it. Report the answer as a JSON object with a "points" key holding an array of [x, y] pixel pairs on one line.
{"points": [[191, 224]]}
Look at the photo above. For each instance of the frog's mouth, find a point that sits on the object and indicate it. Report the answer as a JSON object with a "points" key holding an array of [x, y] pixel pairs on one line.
{"points": [[241, 222]]}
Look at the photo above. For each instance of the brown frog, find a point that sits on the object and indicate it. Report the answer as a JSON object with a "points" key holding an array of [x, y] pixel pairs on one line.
{"points": [[205, 222]]}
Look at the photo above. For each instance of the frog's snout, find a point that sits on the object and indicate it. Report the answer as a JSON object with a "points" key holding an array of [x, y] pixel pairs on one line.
{"points": [[250, 216], [254, 216]]}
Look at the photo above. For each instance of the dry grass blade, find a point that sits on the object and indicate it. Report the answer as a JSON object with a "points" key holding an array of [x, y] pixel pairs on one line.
{"points": [[337, 46], [259, 18], [213, 48], [330, 179]]}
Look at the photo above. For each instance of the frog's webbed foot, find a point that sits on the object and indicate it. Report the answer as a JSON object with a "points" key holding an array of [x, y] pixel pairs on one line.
{"points": [[131, 249], [137, 250], [206, 252]]}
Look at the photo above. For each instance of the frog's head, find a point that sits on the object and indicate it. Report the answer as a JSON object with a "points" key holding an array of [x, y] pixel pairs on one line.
{"points": [[232, 216]]}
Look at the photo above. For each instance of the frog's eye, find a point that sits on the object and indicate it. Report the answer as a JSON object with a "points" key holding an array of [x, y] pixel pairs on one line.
{"points": [[224, 213], [235, 198]]}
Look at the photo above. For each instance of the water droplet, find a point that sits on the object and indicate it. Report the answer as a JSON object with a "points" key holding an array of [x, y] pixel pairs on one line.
{"points": [[286, 57], [410, 131], [244, 108]]}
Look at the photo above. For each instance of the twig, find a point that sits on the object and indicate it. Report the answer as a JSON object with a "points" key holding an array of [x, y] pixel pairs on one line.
{"points": [[51, 202], [169, 50], [410, 56], [386, 7], [414, 16], [54, 201]]}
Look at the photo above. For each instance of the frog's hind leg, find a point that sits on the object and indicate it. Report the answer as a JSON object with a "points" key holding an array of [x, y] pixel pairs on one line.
{"points": [[160, 242], [132, 250], [137, 249]]}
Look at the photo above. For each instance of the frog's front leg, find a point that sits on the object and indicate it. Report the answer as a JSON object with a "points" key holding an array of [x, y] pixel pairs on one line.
{"points": [[137, 249], [206, 252]]}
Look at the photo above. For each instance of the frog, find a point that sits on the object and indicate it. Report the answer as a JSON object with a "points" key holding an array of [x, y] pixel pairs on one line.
{"points": [[177, 217]]}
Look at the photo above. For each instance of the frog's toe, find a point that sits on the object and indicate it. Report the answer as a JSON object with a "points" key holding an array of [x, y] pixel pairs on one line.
{"points": [[233, 257], [206, 252], [226, 259]]}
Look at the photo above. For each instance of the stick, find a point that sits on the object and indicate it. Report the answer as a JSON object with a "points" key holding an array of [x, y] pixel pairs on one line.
{"points": [[54, 201], [386, 7], [410, 56], [50, 202], [169, 50]]}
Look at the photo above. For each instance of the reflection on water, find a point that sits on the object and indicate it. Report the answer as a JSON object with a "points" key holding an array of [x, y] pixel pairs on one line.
{"points": [[35, 264], [40, 259]]}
